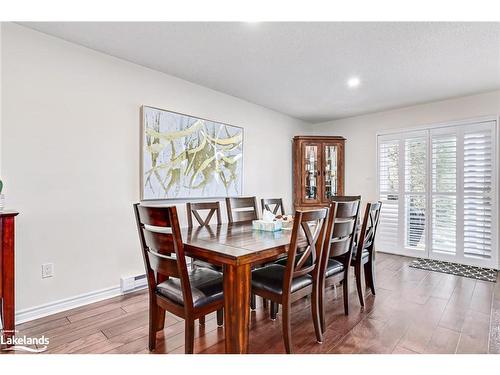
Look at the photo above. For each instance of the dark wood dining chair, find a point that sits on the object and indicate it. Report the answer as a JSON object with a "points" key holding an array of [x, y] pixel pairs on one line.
{"points": [[366, 247], [189, 294], [300, 277], [193, 210], [241, 209], [275, 205], [337, 248]]}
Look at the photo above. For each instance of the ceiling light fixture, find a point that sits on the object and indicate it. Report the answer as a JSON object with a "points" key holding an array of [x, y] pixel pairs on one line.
{"points": [[353, 82]]}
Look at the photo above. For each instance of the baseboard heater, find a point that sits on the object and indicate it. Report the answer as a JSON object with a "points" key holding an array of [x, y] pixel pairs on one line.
{"points": [[133, 283]]}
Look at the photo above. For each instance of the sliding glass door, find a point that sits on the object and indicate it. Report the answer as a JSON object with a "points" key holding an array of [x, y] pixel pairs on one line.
{"points": [[438, 191]]}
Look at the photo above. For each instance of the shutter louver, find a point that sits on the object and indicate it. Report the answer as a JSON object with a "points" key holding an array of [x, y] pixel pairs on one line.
{"points": [[415, 188], [444, 188], [389, 188], [477, 193]]}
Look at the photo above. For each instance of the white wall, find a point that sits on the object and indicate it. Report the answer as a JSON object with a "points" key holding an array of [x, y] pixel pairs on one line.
{"points": [[361, 133], [70, 153]]}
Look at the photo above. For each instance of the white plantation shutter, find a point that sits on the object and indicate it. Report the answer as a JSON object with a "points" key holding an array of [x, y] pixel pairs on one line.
{"points": [[415, 190], [444, 190], [478, 189], [439, 195], [388, 171]]}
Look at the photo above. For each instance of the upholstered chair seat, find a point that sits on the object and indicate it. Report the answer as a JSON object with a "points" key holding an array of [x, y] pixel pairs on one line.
{"points": [[270, 278], [206, 287]]}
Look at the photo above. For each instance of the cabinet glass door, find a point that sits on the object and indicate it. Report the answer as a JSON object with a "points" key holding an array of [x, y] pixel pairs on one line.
{"points": [[330, 171], [311, 172]]}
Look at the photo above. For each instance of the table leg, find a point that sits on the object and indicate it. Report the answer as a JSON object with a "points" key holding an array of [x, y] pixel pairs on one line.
{"points": [[237, 284], [7, 244]]}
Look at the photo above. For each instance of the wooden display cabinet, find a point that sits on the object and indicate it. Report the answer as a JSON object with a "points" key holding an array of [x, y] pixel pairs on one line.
{"points": [[318, 170]]}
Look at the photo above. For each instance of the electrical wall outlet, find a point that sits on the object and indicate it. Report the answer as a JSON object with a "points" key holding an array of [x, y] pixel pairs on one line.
{"points": [[47, 270]]}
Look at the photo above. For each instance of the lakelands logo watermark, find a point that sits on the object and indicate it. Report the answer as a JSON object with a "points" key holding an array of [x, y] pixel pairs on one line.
{"points": [[9, 341]]}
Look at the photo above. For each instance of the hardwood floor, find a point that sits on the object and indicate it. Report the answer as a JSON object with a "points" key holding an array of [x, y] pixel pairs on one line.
{"points": [[414, 311]]}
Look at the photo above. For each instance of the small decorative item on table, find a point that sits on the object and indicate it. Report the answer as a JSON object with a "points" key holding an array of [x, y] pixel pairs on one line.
{"points": [[268, 223], [272, 226], [286, 221]]}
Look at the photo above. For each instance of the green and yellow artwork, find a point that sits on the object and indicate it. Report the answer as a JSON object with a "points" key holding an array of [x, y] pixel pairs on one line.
{"points": [[189, 157]]}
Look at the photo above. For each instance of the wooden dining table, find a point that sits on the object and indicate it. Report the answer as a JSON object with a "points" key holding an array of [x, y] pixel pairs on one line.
{"points": [[236, 247]]}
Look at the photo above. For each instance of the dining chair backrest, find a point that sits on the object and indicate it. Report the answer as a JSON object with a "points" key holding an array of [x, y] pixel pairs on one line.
{"points": [[307, 237], [194, 208], [343, 232], [275, 205], [241, 209], [162, 248], [369, 226]]}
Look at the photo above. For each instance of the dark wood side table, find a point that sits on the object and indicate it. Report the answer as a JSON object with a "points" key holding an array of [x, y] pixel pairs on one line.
{"points": [[7, 310]]}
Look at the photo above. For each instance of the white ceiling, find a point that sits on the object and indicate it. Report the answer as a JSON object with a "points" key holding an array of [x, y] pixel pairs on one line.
{"points": [[301, 69]]}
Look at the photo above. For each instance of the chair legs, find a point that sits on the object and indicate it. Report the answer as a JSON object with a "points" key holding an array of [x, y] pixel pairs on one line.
{"points": [[157, 322], [369, 270], [189, 336], [359, 286], [345, 290], [321, 300], [318, 329], [153, 325], [161, 319], [370, 275], [274, 310], [316, 312], [287, 329], [253, 302], [321, 306], [220, 317]]}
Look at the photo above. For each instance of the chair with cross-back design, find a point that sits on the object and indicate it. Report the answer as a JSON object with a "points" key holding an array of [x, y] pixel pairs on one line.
{"points": [[337, 249], [284, 284], [365, 247], [193, 210], [274, 205], [241, 209], [189, 294]]}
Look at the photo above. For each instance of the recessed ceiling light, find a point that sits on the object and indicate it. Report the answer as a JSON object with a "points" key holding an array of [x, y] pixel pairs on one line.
{"points": [[353, 82]]}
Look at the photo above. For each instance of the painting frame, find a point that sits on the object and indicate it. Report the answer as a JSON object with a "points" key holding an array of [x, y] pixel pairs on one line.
{"points": [[142, 157]]}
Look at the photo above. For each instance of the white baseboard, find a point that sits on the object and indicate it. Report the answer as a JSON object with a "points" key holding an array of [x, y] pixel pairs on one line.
{"points": [[50, 308]]}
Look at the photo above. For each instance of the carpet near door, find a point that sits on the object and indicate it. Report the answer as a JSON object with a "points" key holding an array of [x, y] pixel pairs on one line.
{"points": [[472, 272]]}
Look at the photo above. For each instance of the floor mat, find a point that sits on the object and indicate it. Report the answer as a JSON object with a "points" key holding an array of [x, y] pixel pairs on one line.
{"points": [[472, 272]]}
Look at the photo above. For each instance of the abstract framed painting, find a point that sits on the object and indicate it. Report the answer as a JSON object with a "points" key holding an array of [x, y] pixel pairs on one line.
{"points": [[187, 157]]}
